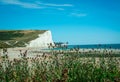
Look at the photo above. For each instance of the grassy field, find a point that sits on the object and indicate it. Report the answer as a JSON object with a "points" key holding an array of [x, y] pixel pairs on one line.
{"points": [[61, 67], [17, 38]]}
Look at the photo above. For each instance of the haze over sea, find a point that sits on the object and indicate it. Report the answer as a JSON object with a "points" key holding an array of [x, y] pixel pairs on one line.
{"points": [[107, 46], [93, 46]]}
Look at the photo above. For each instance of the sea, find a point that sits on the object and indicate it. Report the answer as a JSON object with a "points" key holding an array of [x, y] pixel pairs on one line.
{"points": [[92, 46]]}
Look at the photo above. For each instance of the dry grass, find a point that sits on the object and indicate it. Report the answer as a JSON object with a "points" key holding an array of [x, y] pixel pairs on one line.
{"points": [[61, 68]]}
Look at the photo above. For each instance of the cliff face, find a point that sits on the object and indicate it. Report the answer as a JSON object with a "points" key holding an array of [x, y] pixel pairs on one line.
{"points": [[25, 38], [42, 41]]}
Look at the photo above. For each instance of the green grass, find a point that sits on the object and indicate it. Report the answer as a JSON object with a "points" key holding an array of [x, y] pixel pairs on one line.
{"points": [[22, 36], [61, 68]]}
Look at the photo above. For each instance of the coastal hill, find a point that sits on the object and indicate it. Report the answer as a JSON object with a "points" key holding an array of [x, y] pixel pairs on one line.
{"points": [[25, 38]]}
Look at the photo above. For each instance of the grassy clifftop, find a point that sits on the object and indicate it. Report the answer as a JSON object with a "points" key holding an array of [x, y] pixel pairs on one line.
{"points": [[17, 38]]}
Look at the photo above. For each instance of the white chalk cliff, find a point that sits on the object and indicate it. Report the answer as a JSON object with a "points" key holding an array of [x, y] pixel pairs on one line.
{"points": [[42, 41]]}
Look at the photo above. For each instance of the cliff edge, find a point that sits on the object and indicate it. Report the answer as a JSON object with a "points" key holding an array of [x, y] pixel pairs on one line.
{"points": [[25, 38], [43, 40]]}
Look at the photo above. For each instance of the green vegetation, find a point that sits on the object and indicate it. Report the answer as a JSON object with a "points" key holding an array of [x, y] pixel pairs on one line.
{"points": [[17, 38], [3, 45], [61, 68]]}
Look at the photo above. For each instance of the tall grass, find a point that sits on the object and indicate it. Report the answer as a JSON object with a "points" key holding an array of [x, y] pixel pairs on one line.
{"points": [[61, 68]]}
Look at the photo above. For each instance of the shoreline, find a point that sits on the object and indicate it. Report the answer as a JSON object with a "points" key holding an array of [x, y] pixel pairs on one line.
{"points": [[33, 52]]}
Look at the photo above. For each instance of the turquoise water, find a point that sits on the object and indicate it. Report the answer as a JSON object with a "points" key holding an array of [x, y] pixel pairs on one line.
{"points": [[103, 46]]}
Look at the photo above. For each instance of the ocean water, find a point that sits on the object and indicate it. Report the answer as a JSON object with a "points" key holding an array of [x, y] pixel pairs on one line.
{"points": [[95, 46]]}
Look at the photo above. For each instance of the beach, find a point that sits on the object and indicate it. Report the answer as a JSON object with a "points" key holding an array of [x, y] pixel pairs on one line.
{"points": [[32, 52]]}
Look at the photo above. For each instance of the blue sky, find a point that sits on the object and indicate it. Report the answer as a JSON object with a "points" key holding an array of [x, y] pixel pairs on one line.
{"points": [[75, 21]]}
